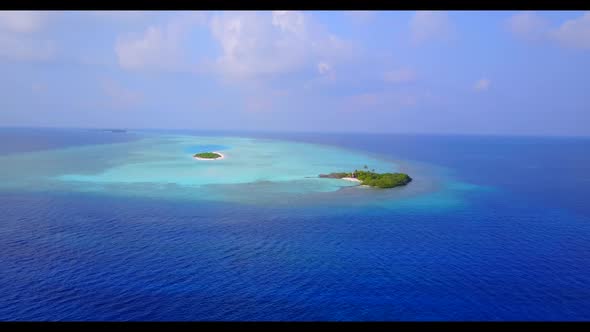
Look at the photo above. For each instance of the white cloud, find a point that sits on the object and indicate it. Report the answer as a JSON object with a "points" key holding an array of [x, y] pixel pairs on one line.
{"points": [[264, 44], [528, 25], [482, 84], [401, 75], [22, 21], [159, 47], [430, 25], [325, 68], [290, 21], [19, 39], [574, 33]]}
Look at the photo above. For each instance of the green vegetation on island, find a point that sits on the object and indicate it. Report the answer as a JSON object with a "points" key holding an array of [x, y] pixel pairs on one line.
{"points": [[370, 178], [383, 180], [208, 155]]}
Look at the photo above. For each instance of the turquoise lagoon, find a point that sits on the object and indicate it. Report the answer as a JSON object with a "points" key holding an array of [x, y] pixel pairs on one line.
{"points": [[254, 171]]}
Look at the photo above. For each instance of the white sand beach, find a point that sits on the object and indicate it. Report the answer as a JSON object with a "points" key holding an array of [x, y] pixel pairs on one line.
{"points": [[219, 153], [351, 179]]}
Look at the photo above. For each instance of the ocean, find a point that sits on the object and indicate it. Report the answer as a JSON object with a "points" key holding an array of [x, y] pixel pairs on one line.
{"points": [[97, 225]]}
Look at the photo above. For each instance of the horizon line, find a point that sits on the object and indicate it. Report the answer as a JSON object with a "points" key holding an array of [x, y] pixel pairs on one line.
{"points": [[299, 131]]}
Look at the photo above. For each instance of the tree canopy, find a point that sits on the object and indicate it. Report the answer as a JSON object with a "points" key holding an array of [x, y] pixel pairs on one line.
{"points": [[208, 155], [383, 180]]}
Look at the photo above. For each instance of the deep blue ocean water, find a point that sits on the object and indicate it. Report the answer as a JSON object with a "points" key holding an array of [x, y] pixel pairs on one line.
{"points": [[520, 251]]}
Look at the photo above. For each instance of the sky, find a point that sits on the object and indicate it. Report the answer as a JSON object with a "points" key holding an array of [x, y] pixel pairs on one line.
{"points": [[463, 72]]}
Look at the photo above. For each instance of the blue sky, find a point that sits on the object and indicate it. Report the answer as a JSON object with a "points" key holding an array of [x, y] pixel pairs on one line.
{"points": [[492, 72]]}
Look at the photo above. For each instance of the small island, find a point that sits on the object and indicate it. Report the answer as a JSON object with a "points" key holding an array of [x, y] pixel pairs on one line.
{"points": [[372, 179], [116, 131], [208, 156]]}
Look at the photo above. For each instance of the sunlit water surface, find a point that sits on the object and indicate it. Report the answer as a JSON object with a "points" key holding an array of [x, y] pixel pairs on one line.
{"points": [[128, 226]]}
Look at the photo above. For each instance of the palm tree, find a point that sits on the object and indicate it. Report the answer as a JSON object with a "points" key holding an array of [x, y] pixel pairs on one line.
{"points": [[366, 167]]}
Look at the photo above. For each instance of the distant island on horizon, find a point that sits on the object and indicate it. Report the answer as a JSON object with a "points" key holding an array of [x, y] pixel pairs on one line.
{"points": [[114, 130]]}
